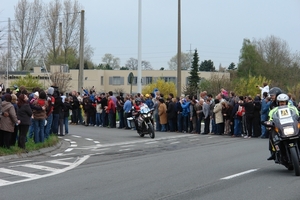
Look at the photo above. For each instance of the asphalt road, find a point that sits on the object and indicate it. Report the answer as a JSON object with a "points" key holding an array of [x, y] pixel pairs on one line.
{"points": [[101, 163]]}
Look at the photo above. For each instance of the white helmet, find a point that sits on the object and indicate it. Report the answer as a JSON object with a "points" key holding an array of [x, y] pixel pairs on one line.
{"points": [[283, 97]]}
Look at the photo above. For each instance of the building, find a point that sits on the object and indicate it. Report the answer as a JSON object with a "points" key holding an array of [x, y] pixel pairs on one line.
{"points": [[111, 80]]}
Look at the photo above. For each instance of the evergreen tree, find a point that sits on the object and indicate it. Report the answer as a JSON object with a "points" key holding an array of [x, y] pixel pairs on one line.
{"points": [[194, 78], [207, 65]]}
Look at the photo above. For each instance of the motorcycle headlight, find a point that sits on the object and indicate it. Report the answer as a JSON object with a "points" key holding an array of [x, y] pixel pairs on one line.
{"points": [[288, 131], [149, 114], [144, 115]]}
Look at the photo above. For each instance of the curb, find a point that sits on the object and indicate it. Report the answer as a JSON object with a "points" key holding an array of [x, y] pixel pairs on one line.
{"points": [[33, 153]]}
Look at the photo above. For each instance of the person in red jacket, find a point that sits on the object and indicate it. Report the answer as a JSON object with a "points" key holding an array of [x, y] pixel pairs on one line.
{"points": [[110, 110]]}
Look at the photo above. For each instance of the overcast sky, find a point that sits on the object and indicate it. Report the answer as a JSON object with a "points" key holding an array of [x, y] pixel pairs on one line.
{"points": [[216, 28]]}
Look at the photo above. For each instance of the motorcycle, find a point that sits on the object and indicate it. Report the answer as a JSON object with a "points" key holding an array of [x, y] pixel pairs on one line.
{"points": [[145, 121], [284, 130]]}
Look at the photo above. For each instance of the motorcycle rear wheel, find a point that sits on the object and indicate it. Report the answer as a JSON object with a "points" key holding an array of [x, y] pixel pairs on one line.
{"points": [[295, 161]]}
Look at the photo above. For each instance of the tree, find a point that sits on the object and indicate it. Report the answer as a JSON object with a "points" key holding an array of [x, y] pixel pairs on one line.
{"points": [[163, 87], [232, 66], [207, 65], [112, 61], [162, 68], [104, 67], [132, 64], [25, 30], [194, 78], [185, 62], [124, 68], [61, 80], [246, 86], [28, 81]]}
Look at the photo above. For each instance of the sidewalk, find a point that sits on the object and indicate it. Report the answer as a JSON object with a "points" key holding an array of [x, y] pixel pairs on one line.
{"points": [[60, 144]]}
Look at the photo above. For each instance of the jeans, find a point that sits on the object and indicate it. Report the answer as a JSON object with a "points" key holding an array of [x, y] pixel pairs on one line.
{"points": [[179, 122], [206, 124], [237, 127], [104, 118], [39, 127], [158, 126], [213, 126], [263, 128], [31, 129], [163, 127], [171, 125], [185, 123], [99, 119], [121, 119], [55, 123], [66, 123], [48, 126]]}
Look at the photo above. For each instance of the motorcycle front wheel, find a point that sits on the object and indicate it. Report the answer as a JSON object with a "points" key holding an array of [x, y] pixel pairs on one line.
{"points": [[295, 161], [151, 131]]}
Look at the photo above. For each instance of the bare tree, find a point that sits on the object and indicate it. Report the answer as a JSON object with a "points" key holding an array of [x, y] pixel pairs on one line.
{"points": [[25, 30], [71, 26], [61, 80], [186, 62], [51, 29], [113, 62], [132, 64]]}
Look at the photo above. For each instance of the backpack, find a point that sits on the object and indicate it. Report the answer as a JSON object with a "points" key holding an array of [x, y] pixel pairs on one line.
{"points": [[241, 111]]}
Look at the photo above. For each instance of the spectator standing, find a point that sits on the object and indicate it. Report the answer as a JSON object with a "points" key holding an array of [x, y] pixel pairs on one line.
{"points": [[120, 110], [162, 112], [206, 116], [66, 113], [127, 110], [172, 115], [15, 133], [264, 88], [49, 112], [7, 124], [24, 115], [39, 116]]}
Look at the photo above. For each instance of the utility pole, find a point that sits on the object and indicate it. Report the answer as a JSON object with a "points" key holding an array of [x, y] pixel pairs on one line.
{"points": [[139, 78], [60, 38], [81, 50], [179, 52]]}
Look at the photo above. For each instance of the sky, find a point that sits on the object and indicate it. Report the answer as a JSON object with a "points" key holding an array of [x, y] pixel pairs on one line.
{"points": [[216, 28]]}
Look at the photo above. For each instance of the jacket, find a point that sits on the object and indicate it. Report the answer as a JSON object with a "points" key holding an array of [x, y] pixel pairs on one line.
{"points": [[24, 114], [218, 113], [8, 123], [40, 114], [162, 112]]}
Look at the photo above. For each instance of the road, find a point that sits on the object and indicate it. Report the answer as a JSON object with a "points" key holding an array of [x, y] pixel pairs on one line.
{"points": [[101, 163]]}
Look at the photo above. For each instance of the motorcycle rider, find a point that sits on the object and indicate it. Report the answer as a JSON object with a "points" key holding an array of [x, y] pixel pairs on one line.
{"points": [[282, 100], [137, 107]]}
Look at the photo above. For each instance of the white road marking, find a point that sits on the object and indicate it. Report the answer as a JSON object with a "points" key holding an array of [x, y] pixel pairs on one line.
{"points": [[73, 145], [67, 140], [58, 162], [151, 142], [124, 149], [89, 139], [18, 173], [194, 140], [238, 174], [34, 176], [174, 142], [55, 155], [96, 142], [4, 182], [127, 146], [20, 161], [40, 167], [69, 149], [100, 149], [76, 136], [72, 142]]}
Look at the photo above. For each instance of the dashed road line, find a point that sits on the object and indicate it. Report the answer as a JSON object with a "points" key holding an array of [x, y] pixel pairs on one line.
{"points": [[76, 136], [151, 142], [238, 174], [174, 142], [40, 167], [89, 139]]}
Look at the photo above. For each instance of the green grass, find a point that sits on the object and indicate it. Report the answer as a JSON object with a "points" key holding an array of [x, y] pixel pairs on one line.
{"points": [[30, 146]]}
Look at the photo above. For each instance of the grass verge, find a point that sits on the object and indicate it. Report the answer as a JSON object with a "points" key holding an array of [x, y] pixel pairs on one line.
{"points": [[30, 146]]}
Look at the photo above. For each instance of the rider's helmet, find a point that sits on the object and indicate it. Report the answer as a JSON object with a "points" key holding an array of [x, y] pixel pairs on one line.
{"points": [[275, 91], [138, 101], [283, 98], [147, 95]]}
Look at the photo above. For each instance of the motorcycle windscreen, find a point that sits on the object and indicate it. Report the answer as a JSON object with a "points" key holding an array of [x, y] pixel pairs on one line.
{"points": [[144, 109], [286, 120]]}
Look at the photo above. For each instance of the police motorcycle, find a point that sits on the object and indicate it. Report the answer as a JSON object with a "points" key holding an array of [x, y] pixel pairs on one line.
{"points": [[144, 119], [285, 136]]}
